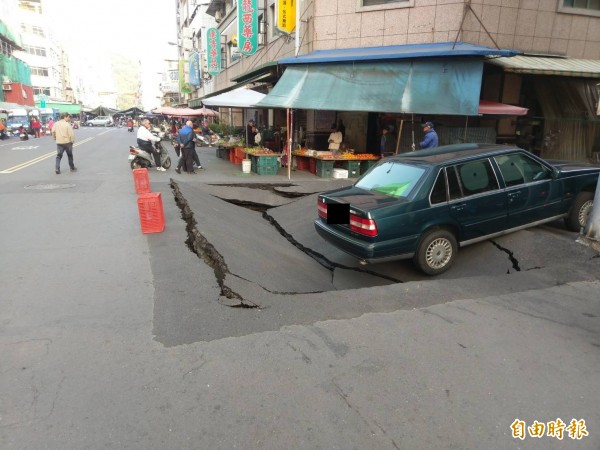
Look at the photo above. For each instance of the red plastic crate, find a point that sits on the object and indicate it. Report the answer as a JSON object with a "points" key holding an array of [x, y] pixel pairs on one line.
{"points": [[302, 163], [237, 160], [152, 216], [312, 165], [141, 180], [231, 154]]}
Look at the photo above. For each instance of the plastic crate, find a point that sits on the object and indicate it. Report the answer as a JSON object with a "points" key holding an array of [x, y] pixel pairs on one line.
{"points": [[238, 160], [265, 161], [231, 154], [366, 165], [324, 168], [141, 181], [312, 165], [152, 216], [239, 152], [353, 168], [267, 170], [302, 163]]}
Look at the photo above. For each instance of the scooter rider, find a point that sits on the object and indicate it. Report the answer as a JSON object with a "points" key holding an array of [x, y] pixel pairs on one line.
{"points": [[144, 141]]}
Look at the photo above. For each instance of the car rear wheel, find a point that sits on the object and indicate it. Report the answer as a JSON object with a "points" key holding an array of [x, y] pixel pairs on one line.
{"points": [[580, 211], [436, 251]]}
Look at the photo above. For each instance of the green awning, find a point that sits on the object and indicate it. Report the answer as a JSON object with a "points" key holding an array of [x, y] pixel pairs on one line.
{"points": [[427, 86], [583, 68]]}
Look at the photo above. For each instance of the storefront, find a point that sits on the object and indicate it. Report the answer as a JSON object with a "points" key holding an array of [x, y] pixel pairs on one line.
{"points": [[365, 88]]}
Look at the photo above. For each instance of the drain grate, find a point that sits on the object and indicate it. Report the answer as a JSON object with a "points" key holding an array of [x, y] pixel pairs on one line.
{"points": [[49, 186]]}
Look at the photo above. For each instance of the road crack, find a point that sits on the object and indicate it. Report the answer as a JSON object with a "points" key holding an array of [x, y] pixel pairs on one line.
{"points": [[511, 255]]}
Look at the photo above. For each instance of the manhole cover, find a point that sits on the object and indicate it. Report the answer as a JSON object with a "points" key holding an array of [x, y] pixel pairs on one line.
{"points": [[50, 186]]}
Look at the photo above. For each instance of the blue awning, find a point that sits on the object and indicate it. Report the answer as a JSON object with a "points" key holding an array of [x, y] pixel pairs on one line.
{"points": [[424, 86], [395, 52]]}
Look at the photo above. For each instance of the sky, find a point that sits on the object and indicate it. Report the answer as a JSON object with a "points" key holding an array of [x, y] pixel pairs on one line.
{"points": [[138, 28]]}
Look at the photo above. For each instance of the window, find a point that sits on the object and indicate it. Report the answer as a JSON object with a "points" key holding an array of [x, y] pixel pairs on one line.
{"points": [[438, 193], [41, 71], [380, 2], [476, 177], [41, 90], [518, 169], [593, 5], [39, 51], [392, 178]]}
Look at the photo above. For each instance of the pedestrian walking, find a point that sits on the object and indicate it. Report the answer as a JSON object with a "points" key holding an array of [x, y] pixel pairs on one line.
{"points": [[62, 132], [36, 125]]}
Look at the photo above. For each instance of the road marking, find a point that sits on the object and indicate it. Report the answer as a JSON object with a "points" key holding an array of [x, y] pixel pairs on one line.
{"points": [[33, 161], [25, 148]]}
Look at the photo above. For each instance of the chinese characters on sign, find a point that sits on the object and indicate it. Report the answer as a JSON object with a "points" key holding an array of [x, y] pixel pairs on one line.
{"points": [[213, 53], [247, 26], [286, 15], [556, 429]]}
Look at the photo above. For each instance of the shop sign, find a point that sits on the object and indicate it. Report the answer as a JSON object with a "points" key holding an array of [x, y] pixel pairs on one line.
{"points": [[184, 87], [195, 69], [286, 15], [213, 51], [247, 26]]}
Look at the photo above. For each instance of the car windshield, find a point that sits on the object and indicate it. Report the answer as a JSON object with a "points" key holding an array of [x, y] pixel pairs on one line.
{"points": [[392, 178]]}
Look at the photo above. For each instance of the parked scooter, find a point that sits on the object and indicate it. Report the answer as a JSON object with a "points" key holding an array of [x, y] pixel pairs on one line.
{"points": [[139, 158], [206, 139]]}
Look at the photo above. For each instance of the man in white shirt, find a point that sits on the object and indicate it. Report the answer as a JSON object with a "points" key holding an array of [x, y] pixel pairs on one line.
{"points": [[144, 141], [335, 139]]}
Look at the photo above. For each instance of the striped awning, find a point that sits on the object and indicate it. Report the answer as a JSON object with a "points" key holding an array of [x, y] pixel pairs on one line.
{"points": [[584, 68]]}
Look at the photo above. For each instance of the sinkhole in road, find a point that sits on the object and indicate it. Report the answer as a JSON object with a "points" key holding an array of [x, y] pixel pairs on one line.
{"points": [[199, 245]]}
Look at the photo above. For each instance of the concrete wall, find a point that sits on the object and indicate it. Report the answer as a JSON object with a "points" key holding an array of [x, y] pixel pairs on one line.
{"points": [[540, 26]]}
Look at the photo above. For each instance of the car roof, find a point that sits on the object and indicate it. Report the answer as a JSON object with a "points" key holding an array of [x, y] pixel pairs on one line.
{"points": [[455, 152]]}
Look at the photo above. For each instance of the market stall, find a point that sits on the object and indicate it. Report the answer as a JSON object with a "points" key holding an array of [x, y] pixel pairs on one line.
{"points": [[327, 164]]}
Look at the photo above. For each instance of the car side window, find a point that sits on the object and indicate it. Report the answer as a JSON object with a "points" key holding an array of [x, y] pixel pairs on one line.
{"points": [[453, 184], [477, 177], [438, 193], [518, 168]]}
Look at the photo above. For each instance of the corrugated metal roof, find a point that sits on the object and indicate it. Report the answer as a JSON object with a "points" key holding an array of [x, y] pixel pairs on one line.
{"points": [[586, 68], [437, 49]]}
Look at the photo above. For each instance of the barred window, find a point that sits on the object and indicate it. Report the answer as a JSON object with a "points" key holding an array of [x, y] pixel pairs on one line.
{"points": [[41, 91], [39, 51], [41, 71]]}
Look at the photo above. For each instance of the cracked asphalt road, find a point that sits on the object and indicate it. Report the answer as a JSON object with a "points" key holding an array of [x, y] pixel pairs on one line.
{"points": [[273, 264]]}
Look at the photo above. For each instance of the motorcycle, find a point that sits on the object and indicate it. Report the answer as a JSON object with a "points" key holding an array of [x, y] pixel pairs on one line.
{"points": [[139, 158], [206, 140]]}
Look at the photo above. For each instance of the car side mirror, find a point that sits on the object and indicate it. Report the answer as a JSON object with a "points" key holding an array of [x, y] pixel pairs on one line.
{"points": [[555, 173]]}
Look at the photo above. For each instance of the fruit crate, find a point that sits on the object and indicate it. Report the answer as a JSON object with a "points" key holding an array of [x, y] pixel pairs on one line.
{"points": [[302, 163], [366, 165], [353, 168], [312, 165], [152, 216], [324, 168], [267, 170]]}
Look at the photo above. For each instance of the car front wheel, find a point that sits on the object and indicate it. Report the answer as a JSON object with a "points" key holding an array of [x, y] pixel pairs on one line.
{"points": [[436, 251], [580, 211]]}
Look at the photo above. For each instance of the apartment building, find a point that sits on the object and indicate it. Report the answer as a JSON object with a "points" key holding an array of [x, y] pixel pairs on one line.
{"points": [[543, 55]]}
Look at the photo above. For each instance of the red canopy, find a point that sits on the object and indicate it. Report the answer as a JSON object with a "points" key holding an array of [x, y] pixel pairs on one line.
{"points": [[184, 112], [500, 109]]}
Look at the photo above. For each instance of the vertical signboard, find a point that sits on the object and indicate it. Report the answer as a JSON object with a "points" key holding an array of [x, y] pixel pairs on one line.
{"points": [[184, 87], [213, 51], [247, 26], [286, 15], [195, 69]]}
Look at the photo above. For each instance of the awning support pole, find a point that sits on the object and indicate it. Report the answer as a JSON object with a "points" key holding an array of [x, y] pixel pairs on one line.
{"points": [[298, 22], [413, 132], [289, 146], [399, 135]]}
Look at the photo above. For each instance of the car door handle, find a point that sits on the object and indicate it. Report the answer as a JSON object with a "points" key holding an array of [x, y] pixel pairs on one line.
{"points": [[460, 207]]}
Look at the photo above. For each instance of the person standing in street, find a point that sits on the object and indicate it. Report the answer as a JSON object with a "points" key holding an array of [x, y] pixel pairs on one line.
{"points": [[251, 133], [62, 132], [144, 141], [36, 125], [387, 144], [431, 138], [185, 138]]}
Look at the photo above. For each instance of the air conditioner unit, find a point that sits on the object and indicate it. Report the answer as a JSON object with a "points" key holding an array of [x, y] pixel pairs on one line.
{"points": [[6, 87]]}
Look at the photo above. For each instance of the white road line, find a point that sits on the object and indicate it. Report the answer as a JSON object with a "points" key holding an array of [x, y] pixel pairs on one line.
{"points": [[33, 161]]}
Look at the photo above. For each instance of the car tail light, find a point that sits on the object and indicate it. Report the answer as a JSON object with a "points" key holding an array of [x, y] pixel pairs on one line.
{"points": [[322, 209], [366, 227]]}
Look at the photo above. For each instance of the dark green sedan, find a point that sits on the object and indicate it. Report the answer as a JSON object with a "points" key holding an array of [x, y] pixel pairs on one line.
{"points": [[426, 204]]}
